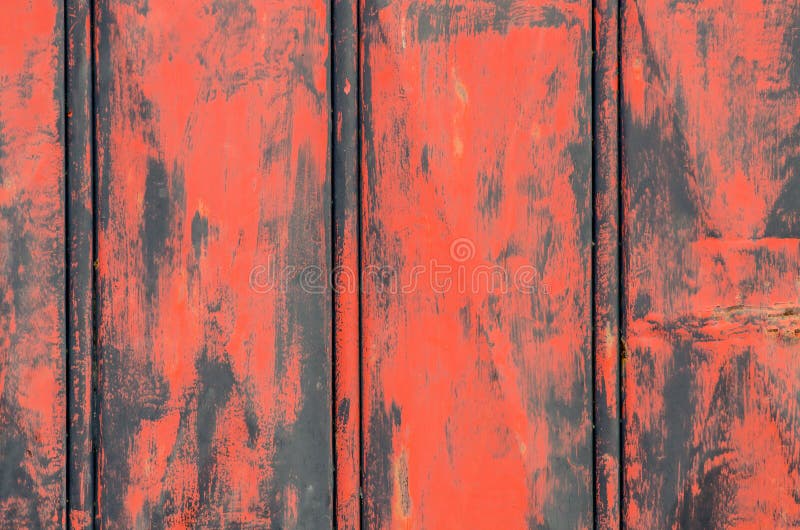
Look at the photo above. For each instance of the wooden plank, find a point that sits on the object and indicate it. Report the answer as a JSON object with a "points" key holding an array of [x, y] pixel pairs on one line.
{"points": [[605, 268], [476, 165], [32, 302], [711, 180], [80, 256], [346, 273], [213, 181]]}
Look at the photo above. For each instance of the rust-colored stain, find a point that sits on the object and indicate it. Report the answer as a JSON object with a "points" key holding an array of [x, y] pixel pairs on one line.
{"points": [[395, 265]]}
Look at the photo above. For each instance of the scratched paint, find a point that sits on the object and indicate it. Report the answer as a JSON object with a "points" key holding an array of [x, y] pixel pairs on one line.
{"points": [[476, 134], [213, 158], [711, 178], [32, 341]]}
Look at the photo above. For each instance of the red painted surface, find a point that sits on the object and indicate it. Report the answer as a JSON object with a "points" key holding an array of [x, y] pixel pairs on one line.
{"points": [[199, 370], [32, 341], [476, 152], [712, 262], [213, 156]]}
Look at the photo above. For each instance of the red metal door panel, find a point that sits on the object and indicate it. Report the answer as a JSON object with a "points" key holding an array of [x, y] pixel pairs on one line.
{"points": [[711, 143], [213, 159], [32, 273], [476, 237]]}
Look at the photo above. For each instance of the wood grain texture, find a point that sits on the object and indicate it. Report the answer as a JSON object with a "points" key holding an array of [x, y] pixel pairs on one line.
{"points": [[346, 277], [213, 250], [476, 165], [80, 257], [32, 275], [605, 269], [711, 179]]}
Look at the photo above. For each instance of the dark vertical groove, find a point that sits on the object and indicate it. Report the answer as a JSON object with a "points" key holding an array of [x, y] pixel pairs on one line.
{"points": [[346, 260], [68, 316], [360, 253], [621, 256], [334, 243], [593, 258], [79, 254], [606, 342], [95, 361]]}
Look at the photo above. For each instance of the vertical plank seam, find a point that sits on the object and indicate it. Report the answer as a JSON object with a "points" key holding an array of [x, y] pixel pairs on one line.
{"points": [[606, 255], [593, 257], [95, 354], [78, 256], [620, 261], [68, 314], [346, 352], [334, 260], [359, 258]]}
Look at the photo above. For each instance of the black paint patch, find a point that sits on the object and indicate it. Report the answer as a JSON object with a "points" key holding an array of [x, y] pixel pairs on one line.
{"points": [[784, 218], [157, 226], [199, 234], [303, 450], [378, 472], [215, 381], [443, 21], [343, 412]]}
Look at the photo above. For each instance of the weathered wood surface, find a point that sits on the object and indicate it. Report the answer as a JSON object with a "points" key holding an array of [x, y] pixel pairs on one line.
{"points": [[711, 180], [476, 153], [213, 205], [32, 275]]}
